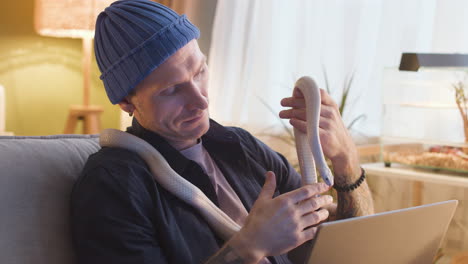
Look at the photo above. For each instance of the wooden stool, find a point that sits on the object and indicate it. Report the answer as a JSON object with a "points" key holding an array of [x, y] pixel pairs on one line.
{"points": [[89, 114]]}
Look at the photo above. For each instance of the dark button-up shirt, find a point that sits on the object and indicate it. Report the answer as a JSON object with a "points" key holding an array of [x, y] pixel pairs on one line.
{"points": [[121, 215]]}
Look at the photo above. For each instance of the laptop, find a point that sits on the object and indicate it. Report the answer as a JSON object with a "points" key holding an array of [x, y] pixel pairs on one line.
{"points": [[410, 235]]}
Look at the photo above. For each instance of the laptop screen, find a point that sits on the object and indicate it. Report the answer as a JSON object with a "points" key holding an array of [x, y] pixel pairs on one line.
{"points": [[410, 235]]}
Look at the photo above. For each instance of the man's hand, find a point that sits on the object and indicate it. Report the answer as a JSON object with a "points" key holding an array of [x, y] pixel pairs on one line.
{"points": [[336, 142], [339, 147], [277, 225]]}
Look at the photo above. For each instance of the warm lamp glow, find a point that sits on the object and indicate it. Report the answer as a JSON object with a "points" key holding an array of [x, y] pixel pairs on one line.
{"points": [[68, 18], [74, 19]]}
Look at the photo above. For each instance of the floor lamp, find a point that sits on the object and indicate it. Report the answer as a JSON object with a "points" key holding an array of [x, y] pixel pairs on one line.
{"points": [[74, 19]]}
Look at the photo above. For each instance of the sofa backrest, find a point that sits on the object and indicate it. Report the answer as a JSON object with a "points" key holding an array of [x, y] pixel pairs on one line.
{"points": [[36, 179]]}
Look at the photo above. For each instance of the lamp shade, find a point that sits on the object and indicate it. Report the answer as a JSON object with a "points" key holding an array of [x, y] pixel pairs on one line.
{"points": [[68, 18]]}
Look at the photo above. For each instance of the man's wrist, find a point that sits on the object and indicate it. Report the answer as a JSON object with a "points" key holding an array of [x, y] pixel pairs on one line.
{"points": [[244, 249], [235, 251], [346, 170], [353, 186]]}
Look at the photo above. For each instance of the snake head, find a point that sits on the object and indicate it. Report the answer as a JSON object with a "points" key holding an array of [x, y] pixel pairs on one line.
{"points": [[327, 176]]}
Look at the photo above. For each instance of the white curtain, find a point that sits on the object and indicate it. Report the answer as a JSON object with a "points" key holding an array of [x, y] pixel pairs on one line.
{"points": [[260, 47]]}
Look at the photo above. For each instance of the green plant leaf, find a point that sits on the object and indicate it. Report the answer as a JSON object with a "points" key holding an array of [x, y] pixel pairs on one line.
{"points": [[361, 116], [346, 89], [325, 77]]}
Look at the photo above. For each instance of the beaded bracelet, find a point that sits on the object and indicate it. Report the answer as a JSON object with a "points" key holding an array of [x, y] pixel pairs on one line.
{"points": [[348, 188]]}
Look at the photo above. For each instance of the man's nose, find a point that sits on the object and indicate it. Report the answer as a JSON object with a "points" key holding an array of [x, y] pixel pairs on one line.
{"points": [[196, 99]]}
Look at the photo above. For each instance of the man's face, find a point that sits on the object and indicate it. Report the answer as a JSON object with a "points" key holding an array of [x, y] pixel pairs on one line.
{"points": [[173, 100]]}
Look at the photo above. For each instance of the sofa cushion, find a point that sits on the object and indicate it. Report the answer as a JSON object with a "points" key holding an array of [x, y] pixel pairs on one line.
{"points": [[37, 176]]}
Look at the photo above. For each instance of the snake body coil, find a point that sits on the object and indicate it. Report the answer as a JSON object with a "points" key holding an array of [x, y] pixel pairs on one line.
{"points": [[308, 145], [192, 195]]}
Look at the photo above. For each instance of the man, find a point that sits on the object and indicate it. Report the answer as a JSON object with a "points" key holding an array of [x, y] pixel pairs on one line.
{"points": [[153, 68]]}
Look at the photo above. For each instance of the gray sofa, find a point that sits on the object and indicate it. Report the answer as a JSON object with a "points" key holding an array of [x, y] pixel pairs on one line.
{"points": [[36, 178]]}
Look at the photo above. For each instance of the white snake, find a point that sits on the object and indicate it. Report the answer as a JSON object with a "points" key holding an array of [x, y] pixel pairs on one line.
{"points": [[192, 195], [308, 145]]}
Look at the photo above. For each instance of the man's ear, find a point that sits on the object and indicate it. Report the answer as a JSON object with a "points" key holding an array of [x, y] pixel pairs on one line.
{"points": [[126, 105]]}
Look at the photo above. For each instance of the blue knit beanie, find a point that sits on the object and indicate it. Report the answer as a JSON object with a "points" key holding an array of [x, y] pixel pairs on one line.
{"points": [[134, 37]]}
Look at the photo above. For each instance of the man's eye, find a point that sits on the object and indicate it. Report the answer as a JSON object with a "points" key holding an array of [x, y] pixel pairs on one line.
{"points": [[169, 90], [201, 72]]}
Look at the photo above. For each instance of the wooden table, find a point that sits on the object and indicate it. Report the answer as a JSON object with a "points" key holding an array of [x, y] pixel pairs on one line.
{"points": [[417, 176]]}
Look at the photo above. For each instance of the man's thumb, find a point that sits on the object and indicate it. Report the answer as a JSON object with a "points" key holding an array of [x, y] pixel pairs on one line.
{"points": [[270, 185]]}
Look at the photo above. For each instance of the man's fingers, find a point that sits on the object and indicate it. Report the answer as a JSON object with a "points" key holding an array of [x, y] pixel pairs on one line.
{"points": [[331, 207], [269, 186], [329, 112], [314, 203], [315, 218], [293, 102], [306, 192], [294, 113], [309, 233], [326, 99], [299, 124]]}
